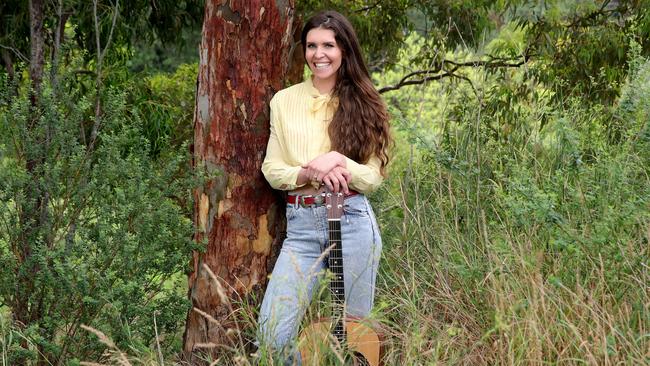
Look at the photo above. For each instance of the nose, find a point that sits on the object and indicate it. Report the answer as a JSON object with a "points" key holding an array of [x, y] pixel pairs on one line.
{"points": [[319, 52]]}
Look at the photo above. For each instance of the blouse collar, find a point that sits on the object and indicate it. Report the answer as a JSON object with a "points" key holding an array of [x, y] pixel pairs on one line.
{"points": [[319, 101]]}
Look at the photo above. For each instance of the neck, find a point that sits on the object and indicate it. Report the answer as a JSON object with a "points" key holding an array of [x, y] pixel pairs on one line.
{"points": [[324, 86]]}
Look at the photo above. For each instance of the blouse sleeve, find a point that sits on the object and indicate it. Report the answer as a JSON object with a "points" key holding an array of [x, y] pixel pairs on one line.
{"points": [[276, 170], [365, 177]]}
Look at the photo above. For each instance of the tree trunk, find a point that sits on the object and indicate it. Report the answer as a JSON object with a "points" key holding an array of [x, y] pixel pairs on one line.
{"points": [[37, 44], [244, 60], [296, 56], [9, 65]]}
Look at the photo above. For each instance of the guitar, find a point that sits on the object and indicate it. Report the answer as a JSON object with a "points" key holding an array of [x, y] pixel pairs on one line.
{"points": [[348, 336]]}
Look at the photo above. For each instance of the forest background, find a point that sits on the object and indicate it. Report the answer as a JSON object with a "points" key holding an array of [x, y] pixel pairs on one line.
{"points": [[516, 217]]}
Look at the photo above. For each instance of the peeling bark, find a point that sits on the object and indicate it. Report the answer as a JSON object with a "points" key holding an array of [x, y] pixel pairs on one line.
{"points": [[243, 62]]}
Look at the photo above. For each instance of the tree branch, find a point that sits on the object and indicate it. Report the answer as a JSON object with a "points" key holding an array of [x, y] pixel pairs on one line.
{"points": [[367, 8], [451, 72], [423, 80], [577, 21], [16, 51], [488, 64], [100, 56]]}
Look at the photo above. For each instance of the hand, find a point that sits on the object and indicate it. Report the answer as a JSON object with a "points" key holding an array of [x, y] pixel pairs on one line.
{"points": [[338, 179], [323, 164]]}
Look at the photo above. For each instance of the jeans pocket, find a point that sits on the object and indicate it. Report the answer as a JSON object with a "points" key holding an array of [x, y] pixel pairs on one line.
{"points": [[356, 207], [290, 212]]}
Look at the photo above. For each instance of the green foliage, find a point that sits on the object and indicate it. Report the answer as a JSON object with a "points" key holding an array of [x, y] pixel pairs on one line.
{"points": [[513, 222], [157, 56], [112, 231], [583, 46], [125, 27], [165, 105], [634, 109]]}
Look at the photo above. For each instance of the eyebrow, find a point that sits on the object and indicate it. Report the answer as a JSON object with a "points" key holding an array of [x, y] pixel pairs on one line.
{"points": [[325, 43]]}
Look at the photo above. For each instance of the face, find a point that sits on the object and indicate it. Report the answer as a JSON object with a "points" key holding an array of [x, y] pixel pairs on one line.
{"points": [[323, 54]]}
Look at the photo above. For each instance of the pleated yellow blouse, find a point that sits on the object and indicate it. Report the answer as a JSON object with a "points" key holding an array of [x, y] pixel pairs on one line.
{"points": [[300, 116]]}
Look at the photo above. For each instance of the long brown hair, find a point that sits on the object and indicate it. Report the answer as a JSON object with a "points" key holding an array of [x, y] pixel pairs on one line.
{"points": [[359, 127]]}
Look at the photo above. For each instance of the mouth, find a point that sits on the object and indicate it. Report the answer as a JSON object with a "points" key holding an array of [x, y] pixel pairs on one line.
{"points": [[322, 65]]}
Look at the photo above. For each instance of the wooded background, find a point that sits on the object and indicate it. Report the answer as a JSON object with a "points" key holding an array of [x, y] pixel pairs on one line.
{"points": [[135, 226]]}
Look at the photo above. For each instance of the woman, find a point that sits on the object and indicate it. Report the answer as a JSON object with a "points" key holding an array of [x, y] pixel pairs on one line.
{"points": [[331, 130]]}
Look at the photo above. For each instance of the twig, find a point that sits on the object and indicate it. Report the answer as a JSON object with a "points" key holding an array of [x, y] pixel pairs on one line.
{"points": [[155, 328], [367, 8], [100, 57], [16, 51]]}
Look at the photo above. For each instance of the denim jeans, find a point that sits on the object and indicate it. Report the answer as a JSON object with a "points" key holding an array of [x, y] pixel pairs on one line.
{"points": [[301, 263]]}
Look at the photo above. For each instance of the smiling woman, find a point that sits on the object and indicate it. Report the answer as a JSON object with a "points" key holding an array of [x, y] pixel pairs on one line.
{"points": [[330, 131]]}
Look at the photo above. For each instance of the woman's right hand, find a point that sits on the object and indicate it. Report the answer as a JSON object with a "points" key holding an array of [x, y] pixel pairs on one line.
{"points": [[322, 165]]}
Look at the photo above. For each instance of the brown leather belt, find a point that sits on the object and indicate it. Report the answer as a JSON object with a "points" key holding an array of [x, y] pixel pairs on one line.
{"points": [[310, 200]]}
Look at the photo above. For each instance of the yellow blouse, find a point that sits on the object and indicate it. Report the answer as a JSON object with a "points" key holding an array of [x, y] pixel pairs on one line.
{"points": [[300, 116]]}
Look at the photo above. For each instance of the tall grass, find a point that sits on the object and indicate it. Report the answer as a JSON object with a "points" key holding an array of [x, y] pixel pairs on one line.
{"points": [[524, 253]]}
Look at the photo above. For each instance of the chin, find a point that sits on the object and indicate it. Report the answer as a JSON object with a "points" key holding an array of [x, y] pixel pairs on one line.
{"points": [[324, 75]]}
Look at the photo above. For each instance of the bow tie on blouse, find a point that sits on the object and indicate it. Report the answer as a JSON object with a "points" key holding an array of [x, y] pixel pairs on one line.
{"points": [[322, 101], [319, 101]]}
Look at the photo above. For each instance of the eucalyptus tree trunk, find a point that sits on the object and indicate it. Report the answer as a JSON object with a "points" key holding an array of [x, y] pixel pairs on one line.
{"points": [[244, 53]]}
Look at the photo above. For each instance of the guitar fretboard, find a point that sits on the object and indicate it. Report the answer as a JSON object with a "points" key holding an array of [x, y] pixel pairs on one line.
{"points": [[337, 282]]}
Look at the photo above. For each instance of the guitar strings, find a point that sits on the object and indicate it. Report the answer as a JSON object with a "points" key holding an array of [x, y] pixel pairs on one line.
{"points": [[337, 283]]}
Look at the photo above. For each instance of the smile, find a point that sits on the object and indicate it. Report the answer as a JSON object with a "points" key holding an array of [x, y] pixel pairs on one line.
{"points": [[322, 65]]}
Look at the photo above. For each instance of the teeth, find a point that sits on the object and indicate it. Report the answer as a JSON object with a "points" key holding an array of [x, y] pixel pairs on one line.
{"points": [[321, 65]]}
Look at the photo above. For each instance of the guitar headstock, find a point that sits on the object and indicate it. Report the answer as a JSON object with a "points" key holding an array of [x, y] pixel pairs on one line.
{"points": [[334, 204]]}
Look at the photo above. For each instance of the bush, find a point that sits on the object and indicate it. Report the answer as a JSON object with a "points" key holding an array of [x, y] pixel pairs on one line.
{"points": [[93, 231]]}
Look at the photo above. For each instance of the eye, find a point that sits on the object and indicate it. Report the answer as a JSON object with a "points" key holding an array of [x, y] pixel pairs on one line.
{"points": [[329, 45], [311, 45]]}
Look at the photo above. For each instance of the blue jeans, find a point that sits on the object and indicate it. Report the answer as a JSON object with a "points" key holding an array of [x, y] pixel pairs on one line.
{"points": [[301, 263]]}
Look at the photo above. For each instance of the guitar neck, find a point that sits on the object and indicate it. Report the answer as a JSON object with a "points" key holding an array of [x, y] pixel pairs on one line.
{"points": [[337, 282]]}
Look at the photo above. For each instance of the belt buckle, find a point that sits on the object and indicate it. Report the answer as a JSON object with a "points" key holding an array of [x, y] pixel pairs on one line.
{"points": [[318, 200]]}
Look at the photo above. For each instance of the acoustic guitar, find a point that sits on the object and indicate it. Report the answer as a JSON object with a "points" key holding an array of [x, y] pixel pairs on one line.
{"points": [[352, 338]]}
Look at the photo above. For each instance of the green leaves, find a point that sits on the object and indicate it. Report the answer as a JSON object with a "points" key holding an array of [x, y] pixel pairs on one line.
{"points": [[115, 227]]}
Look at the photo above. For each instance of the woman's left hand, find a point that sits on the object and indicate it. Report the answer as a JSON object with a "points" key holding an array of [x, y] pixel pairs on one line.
{"points": [[337, 180], [323, 164]]}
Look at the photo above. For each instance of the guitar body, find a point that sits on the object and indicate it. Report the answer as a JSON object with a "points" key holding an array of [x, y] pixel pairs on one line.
{"points": [[362, 342]]}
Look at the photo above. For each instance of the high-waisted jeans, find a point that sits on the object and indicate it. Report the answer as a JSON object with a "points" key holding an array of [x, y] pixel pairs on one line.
{"points": [[300, 265]]}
